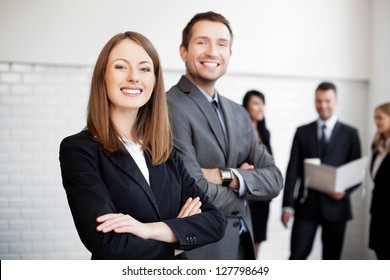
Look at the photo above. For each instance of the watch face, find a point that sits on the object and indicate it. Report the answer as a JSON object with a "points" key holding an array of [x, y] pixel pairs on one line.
{"points": [[226, 175]]}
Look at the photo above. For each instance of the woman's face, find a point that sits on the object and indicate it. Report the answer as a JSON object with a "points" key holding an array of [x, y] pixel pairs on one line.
{"points": [[256, 108], [129, 76], [382, 121]]}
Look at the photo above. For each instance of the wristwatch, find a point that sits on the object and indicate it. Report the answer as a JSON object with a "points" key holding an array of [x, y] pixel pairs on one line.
{"points": [[226, 176]]}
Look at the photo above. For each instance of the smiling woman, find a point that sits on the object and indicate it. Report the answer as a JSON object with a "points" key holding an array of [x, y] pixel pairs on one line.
{"points": [[129, 81], [129, 62], [128, 191]]}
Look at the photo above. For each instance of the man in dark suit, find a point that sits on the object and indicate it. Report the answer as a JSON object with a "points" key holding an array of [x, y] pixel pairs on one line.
{"points": [[335, 144], [215, 138]]}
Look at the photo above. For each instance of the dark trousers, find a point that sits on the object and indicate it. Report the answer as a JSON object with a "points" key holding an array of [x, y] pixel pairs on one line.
{"points": [[303, 233], [246, 250]]}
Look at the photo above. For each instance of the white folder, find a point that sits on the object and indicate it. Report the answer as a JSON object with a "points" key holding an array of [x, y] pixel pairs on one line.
{"points": [[326, 178]]}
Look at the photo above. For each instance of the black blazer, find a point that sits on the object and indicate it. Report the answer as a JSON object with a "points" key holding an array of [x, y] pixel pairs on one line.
{"points": [[343, 147], [379, 225], [97, 184], [381, 191]]}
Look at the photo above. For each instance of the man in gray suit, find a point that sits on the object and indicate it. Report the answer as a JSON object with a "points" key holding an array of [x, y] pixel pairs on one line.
{"points": [[215, 138]]}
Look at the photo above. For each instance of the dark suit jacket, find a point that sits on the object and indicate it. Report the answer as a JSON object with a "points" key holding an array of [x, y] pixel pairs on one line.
{"points": [[343, 147], [97, 184], [379, 226], [199, 140]]}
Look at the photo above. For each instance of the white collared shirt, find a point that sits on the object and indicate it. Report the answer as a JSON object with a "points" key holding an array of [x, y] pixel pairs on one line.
{"points": [[329, 123], [137, 153]]}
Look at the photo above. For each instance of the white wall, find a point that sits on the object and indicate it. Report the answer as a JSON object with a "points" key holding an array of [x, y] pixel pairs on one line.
{"points": [[295, 38], [380, 54], [284, 48]]}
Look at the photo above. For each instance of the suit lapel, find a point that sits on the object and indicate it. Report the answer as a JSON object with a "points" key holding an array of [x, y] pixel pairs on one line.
{"points": [[313, 140], [156, 178], [206, 108], [125, 162]]}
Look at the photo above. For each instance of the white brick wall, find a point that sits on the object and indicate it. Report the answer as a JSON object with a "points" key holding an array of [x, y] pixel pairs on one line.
{"points": [[41, 104]]}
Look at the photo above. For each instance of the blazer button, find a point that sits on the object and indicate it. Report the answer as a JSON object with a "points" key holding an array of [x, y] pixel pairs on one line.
{"points": [[236, 224]]}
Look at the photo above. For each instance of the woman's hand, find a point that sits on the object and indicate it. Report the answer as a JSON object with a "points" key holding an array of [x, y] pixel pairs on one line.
{"points": [[191, 207], [121, 223]]}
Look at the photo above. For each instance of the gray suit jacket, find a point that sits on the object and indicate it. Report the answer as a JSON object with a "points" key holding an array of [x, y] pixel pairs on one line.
{"points": [[199, 140]]}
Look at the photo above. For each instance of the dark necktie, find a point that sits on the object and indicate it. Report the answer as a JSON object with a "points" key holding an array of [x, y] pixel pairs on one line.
{"points": [[221, 120], [323, 142]]}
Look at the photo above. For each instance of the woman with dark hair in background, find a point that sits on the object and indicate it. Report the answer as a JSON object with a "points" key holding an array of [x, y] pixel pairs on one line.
{"points": [[380, 167], [254, 102], [129, 192]]}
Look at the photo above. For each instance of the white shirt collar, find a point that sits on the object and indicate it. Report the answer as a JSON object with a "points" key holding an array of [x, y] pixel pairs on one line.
{"points": [[127, 141], [330, 123], [137, 153], [208, 97]]}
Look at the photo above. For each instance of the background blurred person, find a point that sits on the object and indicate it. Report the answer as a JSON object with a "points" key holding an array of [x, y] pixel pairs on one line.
{"points": [[334, 143], [379, 239], [254, 102]]}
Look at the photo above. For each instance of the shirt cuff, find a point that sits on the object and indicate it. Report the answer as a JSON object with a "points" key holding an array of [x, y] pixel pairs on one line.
{"points": [[242, 189], [289, 209]]}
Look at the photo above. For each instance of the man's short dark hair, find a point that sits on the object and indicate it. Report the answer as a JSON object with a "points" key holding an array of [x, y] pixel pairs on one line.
{"points": [[326, 86], [211, 16]]}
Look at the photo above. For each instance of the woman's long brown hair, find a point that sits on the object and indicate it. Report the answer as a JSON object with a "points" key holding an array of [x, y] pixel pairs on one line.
{"points": [[379, 138], [152, 125]]}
